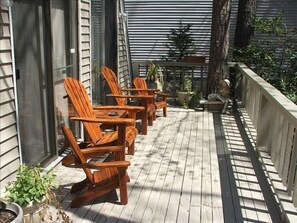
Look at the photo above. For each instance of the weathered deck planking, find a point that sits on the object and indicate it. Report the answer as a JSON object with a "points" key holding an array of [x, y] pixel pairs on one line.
{"points": [[176, 176]]}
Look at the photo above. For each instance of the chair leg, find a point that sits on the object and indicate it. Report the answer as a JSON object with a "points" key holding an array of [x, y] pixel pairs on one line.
{"points": [[150, 120], [131, 149], [144, 123], [96, 191], [165, 111], [78, 186], [123, 186], [88, 196], [127, 177]]}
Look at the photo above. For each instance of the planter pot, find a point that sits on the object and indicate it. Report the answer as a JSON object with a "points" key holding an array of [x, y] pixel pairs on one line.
{"points": [[33, 213], [195, 59], [151, 84], [184, 97], [12, 209]]}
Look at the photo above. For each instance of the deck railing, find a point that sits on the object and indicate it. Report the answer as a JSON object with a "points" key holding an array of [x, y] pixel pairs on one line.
{"points": [[172, 74], [274, 117]]}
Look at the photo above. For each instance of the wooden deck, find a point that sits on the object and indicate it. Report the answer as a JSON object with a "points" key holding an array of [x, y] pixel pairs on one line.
{"points": [[190, 167]]}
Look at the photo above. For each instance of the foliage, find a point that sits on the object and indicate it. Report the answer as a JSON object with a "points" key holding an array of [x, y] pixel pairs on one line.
{"points": [[272, 54], [187, 85], [152, 72], [186, 90], [195, 100], [180, 43], [31, 185]]}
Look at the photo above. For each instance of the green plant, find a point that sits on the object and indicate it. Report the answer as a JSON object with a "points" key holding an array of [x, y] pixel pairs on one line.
{"points": [[272, 54], [31, 185], [152, 72], [179, 43], [195, 100], [187, 84]]}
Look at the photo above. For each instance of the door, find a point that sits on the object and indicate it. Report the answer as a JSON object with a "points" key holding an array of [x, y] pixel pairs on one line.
{"points": [[64, 61], [30, 38], [45, 40]]}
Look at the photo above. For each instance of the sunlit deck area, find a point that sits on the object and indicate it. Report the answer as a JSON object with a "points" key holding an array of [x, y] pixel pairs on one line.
{"points": [[192, 166]]}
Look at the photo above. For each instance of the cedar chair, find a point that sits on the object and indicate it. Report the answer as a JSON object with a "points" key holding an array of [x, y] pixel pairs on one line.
{"points": [[146, 116], [140, 84], [87, 115], [101, 177]]}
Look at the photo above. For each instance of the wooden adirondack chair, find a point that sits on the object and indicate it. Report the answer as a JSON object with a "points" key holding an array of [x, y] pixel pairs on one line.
{"points": [[141, 85], [146, 116], [87, 114], [107, 176]]}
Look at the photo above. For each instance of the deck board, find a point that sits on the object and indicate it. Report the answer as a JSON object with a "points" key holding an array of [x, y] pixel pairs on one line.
{"points": [[190, 167]]}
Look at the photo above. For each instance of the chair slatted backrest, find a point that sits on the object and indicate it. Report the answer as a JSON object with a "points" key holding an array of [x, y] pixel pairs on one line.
{"points": [[77, 153], [112, 82], [80, 100], [140, 83]]}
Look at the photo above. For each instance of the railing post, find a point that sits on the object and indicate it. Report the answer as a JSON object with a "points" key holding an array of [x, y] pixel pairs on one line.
{"points": [[292, 167], [294, 193]]}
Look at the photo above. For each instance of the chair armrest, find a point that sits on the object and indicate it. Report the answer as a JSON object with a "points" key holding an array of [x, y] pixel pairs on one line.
{"points": [[129, 89], [131, 96], [115, 121], [162, 94], [111, 164], [69, 160], [101, 149], [149, 90], [141, 89], [117, 107]]}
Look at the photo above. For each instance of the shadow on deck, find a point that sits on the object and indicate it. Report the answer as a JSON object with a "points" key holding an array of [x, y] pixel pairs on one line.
{"points": [[191, 167]]}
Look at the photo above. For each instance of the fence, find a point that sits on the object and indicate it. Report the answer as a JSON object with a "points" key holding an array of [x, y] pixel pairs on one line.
{"points": [[172, 74]]}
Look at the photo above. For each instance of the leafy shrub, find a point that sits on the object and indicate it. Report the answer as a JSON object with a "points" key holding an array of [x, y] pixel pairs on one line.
{"points": [[31, 185], [272, 54]]}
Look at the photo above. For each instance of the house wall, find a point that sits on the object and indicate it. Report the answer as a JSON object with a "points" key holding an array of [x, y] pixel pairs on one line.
{"points": [[9, 146], [124, 70], [149, 21], [85, 43]]}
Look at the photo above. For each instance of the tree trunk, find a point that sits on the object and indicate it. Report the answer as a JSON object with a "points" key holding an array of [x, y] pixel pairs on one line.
{"points": [[244, 30], [219, 44]]}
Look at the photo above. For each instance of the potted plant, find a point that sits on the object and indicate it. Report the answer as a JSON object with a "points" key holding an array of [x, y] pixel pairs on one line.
{"points": [[151, 75], [185, 93], [180, 45], [33, 191], [10, 213], [195, 100]]}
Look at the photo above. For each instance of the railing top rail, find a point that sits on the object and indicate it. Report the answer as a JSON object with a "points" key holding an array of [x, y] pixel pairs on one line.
{"points": [[169, 63], [271, 93]]}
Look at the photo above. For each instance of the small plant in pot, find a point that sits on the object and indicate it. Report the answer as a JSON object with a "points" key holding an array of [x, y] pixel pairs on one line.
{"points": [[33, 191], [195, 100], [185, 93], [151, 75]]}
